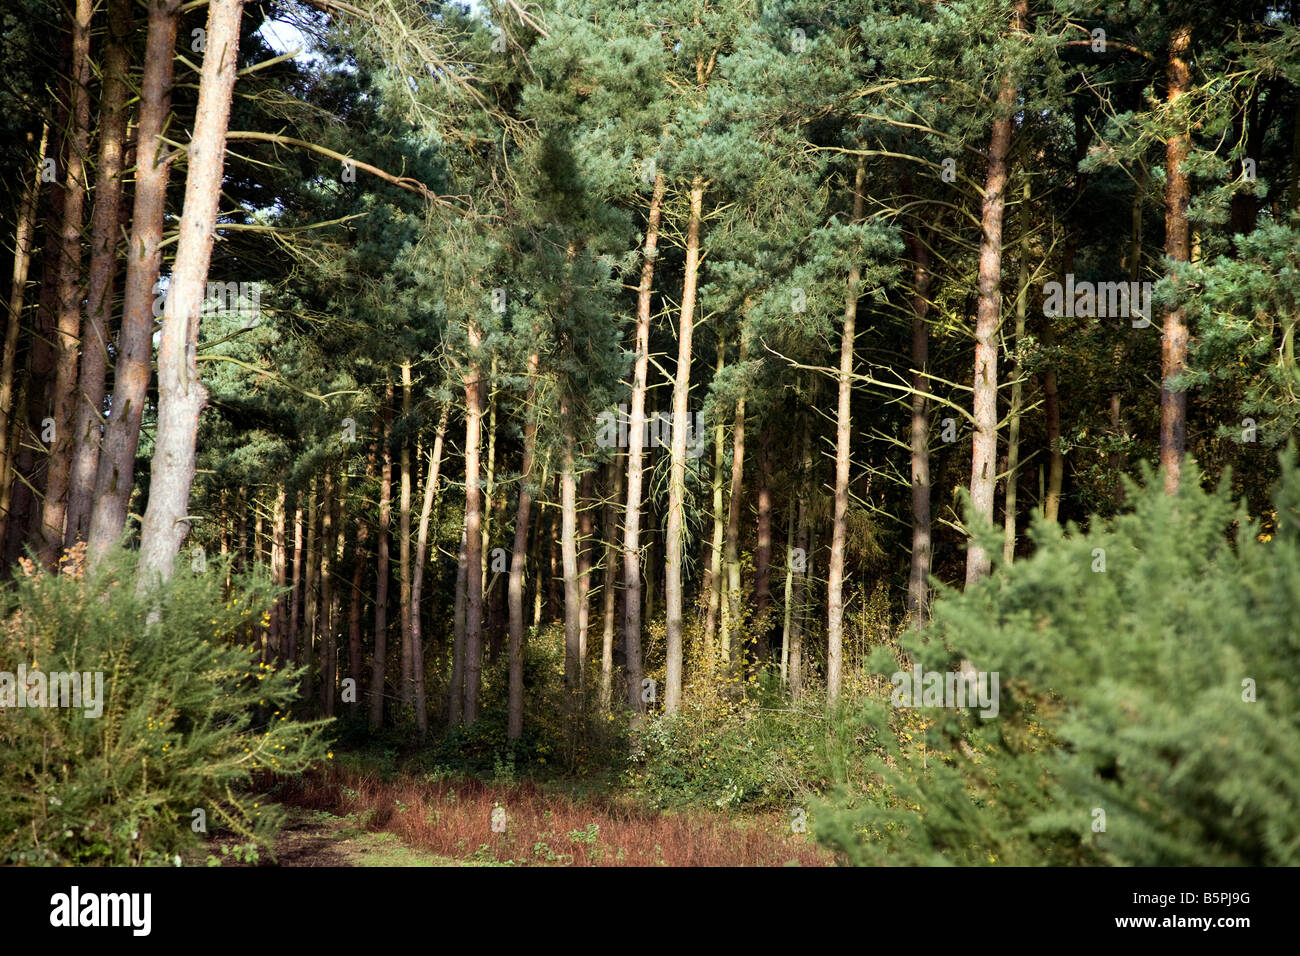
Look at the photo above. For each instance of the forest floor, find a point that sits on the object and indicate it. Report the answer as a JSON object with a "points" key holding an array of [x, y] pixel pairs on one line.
{"points": [[349, 819]]}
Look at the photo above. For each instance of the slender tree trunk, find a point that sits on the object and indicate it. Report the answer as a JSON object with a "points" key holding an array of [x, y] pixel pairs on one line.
{"points": [[379, 663], [918, 583], [115, 476], [1013, 426], [843, 435], [763, 550], [676, 528], [985, 405], [358, 598], [23, 231], [103, 272], [181, 393], [279, 573], [473, 530], [518, 561], [310, 596], [295, 596], [67, 331], [734, 603], [456, 693], [417, 584], [801, 577], [1173, 404], [713, 580], [786, 613], [404, 545], [327, 546], [610, 528], [586, 538], [569, 552], [635, 457]]}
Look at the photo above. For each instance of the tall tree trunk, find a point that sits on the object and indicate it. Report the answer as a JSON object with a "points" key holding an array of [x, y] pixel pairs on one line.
{"points": [[327, 553], [635, 457], [734, 603], [456, 692], [1013, 425], [181, 394], [417, 584], [115, 476], [586, 539], [569, 552], [676, 528], [24, 229], [379, 663], [610, 529], [473, 530], [358, 598], [76, 144], [406, 693], [786, 612], [801, 589], [103, 272], [295, 596], [763, 549], [984, 450], [279, 573], [713, 580], [1173, 357], [843, 436], [518, 561], [918, 581], [310, 595]]}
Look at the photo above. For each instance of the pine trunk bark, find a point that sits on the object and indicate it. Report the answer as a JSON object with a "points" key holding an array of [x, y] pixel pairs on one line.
{"points": [[843, 435], [676, 527], [635, 457], [984, 442], [88, 417], [473, 530], [1173, 356], [181, 393], [115, 475], [918, 582], [417, 583], [518, 562], [379, 663]]}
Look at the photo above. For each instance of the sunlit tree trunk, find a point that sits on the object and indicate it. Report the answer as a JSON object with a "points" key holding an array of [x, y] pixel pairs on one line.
{"points": [[518, 562], [918, 583], [473, 530], [635, 457], [843, 433], [181, 393], [417, 584], [676, 526], [379, 663]]}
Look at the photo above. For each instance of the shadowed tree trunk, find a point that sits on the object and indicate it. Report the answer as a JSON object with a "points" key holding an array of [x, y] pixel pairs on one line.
{"points": [[67, 330], [518, 560], [24, 229], [918, 581], [115, 475], [379, 664], [103, 272], [1173, 355], [417, 584], [763, 549]]}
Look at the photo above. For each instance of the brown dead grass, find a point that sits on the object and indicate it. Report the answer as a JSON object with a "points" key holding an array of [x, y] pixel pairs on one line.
{"points": [[453, 818]]}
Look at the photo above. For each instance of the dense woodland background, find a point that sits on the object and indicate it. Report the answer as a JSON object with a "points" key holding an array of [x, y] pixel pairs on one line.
{"points": [[353, 312]]}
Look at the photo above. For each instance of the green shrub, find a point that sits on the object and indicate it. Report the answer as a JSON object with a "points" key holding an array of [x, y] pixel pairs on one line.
{"points": [[191, 718], [1160, 692]]}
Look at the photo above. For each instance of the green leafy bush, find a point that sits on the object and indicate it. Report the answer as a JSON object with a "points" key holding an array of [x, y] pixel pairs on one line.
{"points": [[191, 718], [1149, 671]]}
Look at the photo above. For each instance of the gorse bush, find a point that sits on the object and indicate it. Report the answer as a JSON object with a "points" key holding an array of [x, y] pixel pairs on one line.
{"points": [[1149, 672], [191, 717]]}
